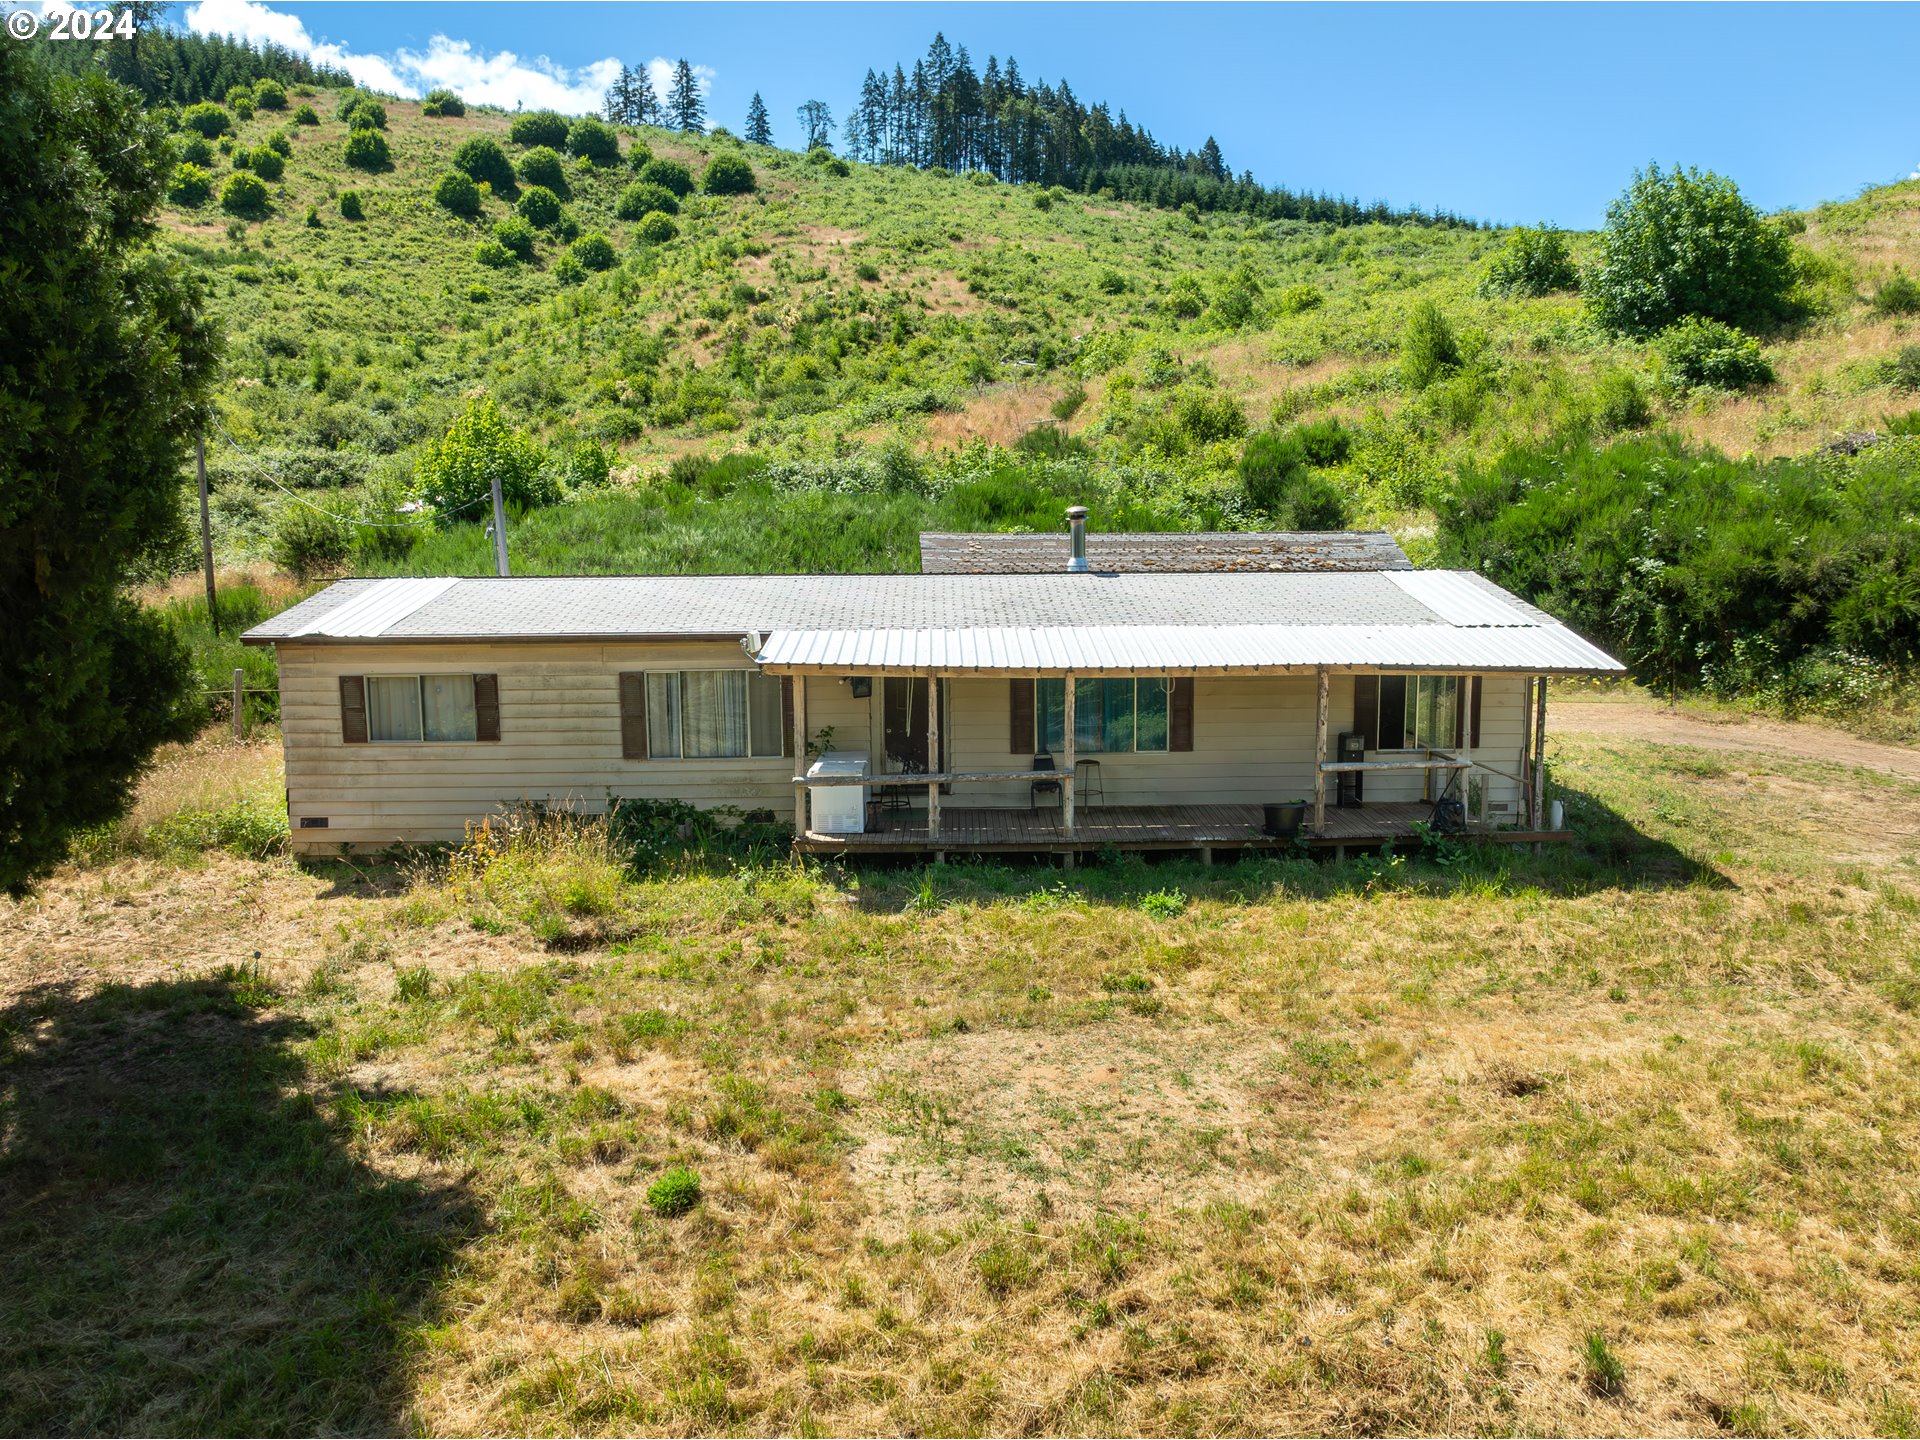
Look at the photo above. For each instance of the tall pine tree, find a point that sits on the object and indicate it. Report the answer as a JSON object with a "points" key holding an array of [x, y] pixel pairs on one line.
{"points": [[759, 127], [685, 106]]}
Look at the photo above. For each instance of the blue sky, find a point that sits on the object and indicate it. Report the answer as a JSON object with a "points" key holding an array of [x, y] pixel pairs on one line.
{"points": [[1515, 112]]}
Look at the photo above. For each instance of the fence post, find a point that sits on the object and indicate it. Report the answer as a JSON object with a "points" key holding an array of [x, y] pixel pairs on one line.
{"points": [[239, 704]]}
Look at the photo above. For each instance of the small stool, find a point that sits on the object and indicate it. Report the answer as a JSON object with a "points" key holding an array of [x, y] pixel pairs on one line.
{"points": [[1087, 788]]}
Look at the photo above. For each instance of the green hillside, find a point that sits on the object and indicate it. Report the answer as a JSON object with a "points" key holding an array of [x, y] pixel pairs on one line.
{"points": [[873, 330]]}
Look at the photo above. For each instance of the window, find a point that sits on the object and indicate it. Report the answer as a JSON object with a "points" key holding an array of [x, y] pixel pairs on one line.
{"points": [[1419, 712], [412, 708], [1108, 715], [713, 714]]}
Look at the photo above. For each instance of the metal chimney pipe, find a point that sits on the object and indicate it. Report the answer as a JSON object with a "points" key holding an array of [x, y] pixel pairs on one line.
{"points": [[1077, 539]]}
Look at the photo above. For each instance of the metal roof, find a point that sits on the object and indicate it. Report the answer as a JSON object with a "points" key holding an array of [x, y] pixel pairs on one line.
{"points": [[1014, 623], [1218, 551]]}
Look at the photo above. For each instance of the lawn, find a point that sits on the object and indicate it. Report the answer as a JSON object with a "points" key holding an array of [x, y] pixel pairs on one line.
{"points": [[1621, 1140]]}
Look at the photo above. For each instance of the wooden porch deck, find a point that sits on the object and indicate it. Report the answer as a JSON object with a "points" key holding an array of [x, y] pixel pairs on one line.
{"points": [[969, 829]]}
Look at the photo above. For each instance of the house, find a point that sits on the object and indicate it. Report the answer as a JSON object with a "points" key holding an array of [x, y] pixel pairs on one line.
{"points": [[1071, 709]]}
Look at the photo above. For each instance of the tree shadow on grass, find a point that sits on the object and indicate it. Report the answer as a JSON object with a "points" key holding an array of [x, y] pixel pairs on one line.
{"points": [[187, 1245]]}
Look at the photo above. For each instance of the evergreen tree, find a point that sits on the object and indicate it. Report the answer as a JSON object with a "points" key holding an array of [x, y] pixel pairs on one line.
{"points": [[646, 104], [618, 104], [110, 362], [685, 106], [759, 127], [816, 125]]}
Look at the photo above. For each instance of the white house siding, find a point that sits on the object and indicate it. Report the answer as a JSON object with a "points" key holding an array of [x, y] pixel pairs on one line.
{"points": [[560, 741]]}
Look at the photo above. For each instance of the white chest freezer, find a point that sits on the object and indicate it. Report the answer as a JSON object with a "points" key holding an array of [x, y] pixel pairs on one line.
{"points": [[838, 809]]}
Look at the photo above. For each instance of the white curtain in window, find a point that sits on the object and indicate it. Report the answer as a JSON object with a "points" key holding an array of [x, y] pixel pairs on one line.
{"points": [[393, 707], [663, 715], [766, 713], [714, 713], [447, 711], [1431, 700]]}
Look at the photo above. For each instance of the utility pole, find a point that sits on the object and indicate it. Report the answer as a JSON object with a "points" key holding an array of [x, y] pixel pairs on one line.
{"points": [[206, 529], [499, 529]]}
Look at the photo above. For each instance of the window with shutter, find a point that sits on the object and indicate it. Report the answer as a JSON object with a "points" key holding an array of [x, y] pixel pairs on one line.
{"points": [[353, 709], [633, 715], [486, 707], [1020, 717], [1180, 713]]}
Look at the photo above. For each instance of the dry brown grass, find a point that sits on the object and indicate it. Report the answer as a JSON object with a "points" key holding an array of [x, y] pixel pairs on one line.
{"points": [[1344, 1149]]}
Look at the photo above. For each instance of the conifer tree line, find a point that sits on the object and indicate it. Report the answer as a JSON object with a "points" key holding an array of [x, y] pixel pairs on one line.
{"points": [[178, 67], [631, 100]]}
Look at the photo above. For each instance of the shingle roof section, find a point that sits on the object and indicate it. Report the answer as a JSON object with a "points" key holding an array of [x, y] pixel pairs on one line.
{"points": [[1306, 552]]}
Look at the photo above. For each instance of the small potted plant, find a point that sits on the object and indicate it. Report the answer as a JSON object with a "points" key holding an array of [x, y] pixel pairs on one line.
{"points": [[1283, 821]]}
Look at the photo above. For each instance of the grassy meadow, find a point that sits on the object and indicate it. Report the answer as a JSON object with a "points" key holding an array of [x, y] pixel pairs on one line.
{"points": [[516, 1138]]}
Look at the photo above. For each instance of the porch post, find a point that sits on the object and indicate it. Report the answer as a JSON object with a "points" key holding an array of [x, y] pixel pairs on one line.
{"points": [[933, 754], [1320, 755], [799, 756], [1066, 780], [1540, 754]]}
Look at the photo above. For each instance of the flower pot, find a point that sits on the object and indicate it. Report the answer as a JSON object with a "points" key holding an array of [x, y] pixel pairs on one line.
{"points": [[1284, 821]]}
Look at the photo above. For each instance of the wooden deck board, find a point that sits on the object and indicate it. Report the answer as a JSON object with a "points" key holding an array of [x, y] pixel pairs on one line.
{"points": [[1127, 827]]}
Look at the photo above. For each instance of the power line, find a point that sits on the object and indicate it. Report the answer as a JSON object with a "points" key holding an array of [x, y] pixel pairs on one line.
{"points": [[342, 519]]}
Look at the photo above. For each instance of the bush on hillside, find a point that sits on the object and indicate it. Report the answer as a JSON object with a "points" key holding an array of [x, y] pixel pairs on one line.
{"points": [[1185, 298], [269, 94], [516, 235], [594, 252], [244, 195], [457, 192], [643, 197], [668, 175], [455, 473], [542, 165], [483, 160], [361, 111], [367, 150], [238, 95], [540, 207], [1686, 242], [207, 119], [1704, 354], [1297, 299], [1902, 369], [307, 543], [1897, 295], [1620, 404], [1325, 443], [655, 229], [493, 255], [568, 270], [350, 207], [1535, 261], [1429, 350], [728, 174], [266, 162], [1688, 564], [539, 127], [446, 102], [1279, 480], [190, 186], [281, 144], [306, 115], [638, 156], [594, 140], [193, 150]]}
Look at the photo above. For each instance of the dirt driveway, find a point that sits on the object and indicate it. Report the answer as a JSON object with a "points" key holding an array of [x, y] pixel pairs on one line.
{"points": [[1636, 720]]}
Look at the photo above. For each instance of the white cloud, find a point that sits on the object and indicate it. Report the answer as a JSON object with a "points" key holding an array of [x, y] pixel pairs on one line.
{"points": [[502, 78]]}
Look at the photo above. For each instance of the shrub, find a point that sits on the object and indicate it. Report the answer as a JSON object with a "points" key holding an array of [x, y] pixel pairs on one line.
{"points": [[194, 150], [641, 197], [540, 207], [1682, 243], [1699, 353], [350, 208], [430, 109], [668, 175], [190, 186], [568, 270], [280, 143], [594, 252], [539, 127], [1069, 403], [305, 542], [242, 159], [244, 195], [1296, 299], [1903, 369], [448, 102], [361, 111], [728, 174], [456, 471], [269, 94], [266, 162], [1897, 295], [1429, 349], [457, 192], [1185, 298], [1279, 481], [638, 156], [655, 229], [1619, 403], [306, 115], [1043, 201], [674, 1193], [1325, 442], [516, 235], [313, 218], [595, 140], [238, 95], [493, 254], [484, 160], [542, 165], [367, 150], [207, 119]]}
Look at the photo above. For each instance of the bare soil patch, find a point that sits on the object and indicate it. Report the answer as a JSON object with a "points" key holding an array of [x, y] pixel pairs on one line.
{"points": [[1627, 720]]}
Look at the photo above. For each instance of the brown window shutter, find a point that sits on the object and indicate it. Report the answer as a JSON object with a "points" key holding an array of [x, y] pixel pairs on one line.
{"points": [[786, 716], [1180, 713], [486, 707], [1392, 720], [1020, 717], [1473, 713], [633, 715], [1366, 709], [353, 709]]}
